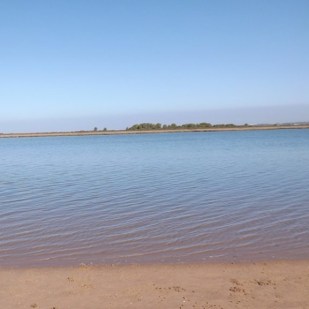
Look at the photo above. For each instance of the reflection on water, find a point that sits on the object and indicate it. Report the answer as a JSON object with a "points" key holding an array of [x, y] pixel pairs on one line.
{"points": [[182, 197]]}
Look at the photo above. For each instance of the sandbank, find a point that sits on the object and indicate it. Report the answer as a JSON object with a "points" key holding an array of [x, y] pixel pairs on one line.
{"points": [[128, 132]]}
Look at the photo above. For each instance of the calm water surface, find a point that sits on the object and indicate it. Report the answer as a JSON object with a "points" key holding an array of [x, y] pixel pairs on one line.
{"points": [[182, 197]]}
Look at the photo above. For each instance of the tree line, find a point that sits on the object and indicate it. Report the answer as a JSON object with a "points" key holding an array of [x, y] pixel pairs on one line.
{"points": [[174, 126]]}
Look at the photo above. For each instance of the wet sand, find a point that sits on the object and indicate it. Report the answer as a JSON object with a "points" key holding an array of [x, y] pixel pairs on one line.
{"points": [[280, 284]]}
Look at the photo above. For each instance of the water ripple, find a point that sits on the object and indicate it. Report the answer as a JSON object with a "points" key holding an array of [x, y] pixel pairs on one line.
{"points": [[156, 198]]}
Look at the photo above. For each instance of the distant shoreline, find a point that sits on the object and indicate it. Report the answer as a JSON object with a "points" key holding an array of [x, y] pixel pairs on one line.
{"points": [[129, 132]]}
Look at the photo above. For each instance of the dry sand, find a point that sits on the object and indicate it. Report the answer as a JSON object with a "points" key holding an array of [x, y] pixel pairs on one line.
{"points": [[254, 285]]}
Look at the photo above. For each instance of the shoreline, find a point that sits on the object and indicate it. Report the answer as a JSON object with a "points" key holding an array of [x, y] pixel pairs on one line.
{"points": [[268, 284], [161, 131], [142, 264]]}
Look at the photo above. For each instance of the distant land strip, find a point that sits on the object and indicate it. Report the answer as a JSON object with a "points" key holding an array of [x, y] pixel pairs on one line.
{"points": [[178, 129]]}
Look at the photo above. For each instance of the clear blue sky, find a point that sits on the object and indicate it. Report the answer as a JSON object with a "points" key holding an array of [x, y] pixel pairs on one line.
{"points": [[79, 64]]}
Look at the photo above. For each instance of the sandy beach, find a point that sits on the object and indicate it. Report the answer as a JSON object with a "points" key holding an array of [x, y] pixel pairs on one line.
{"points": [[275, 284]]}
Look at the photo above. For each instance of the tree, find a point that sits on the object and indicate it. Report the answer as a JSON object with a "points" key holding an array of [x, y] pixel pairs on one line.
{"points": [[173, 126]]}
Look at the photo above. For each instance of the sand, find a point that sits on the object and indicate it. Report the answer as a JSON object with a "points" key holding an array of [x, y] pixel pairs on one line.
{"points": [[279, 284]]}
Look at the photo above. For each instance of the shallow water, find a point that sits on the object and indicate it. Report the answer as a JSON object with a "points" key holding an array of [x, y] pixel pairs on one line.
{"points": [[181, 197]]}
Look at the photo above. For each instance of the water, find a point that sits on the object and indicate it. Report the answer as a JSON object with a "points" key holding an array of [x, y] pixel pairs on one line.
{"points": [[158, 198]]}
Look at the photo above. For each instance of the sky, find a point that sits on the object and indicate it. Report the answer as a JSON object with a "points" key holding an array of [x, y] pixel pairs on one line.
{"points": [[74, 65]]}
